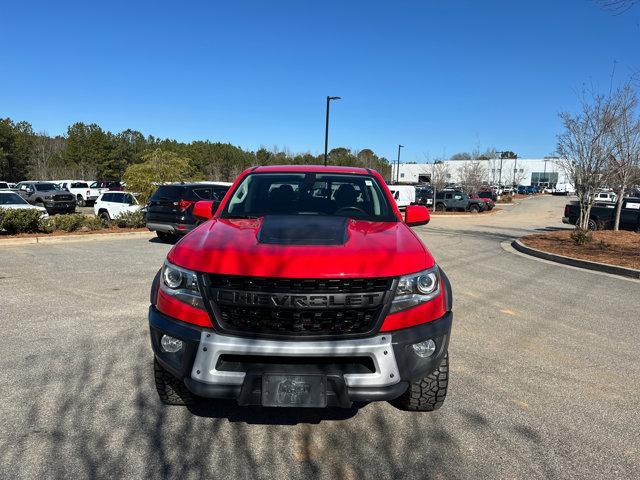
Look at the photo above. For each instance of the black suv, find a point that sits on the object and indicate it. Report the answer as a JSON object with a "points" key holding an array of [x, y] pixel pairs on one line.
{"points": [[170, 208]]}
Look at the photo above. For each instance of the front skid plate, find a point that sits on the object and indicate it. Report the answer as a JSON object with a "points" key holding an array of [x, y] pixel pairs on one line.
{"points": [[378, 348]]}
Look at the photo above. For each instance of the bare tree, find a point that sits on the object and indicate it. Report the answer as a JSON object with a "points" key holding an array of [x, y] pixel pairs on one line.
{"points": [[585, 148], [472, 174], [45, 156], [625, 160], [440, 174]]}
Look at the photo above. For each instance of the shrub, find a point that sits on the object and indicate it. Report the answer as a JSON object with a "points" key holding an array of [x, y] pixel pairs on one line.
{"points": [[130, 220], [71, 223], [581, 236], [20, 220]]}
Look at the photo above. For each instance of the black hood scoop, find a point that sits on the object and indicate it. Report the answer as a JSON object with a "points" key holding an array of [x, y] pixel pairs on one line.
{"points": [[303, 230]]}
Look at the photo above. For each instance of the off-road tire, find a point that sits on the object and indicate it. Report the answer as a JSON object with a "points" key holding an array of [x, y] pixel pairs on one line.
{"points": [[592, 225], [80, 201], [426, 394], [441, 207], [474, 209], [171, 390]]}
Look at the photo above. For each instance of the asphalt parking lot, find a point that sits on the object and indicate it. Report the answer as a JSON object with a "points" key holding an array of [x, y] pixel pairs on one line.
{"points": [[544, 359]]}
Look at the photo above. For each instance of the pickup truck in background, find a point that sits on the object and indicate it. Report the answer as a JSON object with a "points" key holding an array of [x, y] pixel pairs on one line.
{"points": [[81, 191], [455, 201], [47, 195], [602, 215]]}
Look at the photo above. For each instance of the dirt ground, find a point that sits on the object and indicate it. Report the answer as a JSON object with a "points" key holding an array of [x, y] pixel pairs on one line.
{"points": [[620, 248]]}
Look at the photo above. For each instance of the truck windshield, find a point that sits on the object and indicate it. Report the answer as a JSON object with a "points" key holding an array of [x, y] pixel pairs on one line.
{"points": [[45, 187], [353, 196]]}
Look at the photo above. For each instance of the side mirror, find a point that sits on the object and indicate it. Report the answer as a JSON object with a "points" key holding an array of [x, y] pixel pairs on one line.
{"points": [[204, 209], [416, 215]]}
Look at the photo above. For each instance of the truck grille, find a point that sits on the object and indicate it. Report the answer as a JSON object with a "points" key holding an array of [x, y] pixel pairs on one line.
{"points": [[297, 307], [61, 197]]}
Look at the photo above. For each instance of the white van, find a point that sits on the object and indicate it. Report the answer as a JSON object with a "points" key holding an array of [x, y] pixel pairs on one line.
{"points": [[404, 195]]}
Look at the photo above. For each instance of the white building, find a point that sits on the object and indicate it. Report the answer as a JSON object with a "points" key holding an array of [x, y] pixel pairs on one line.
{"points": [[521, 171]]}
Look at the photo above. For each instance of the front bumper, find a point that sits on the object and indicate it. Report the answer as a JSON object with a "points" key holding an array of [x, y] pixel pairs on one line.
{"points": [[60, 206], [394, 364]]}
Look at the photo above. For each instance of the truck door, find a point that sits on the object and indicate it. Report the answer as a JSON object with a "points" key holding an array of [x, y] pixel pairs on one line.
{"points": [[630, 214], [459, 202]]}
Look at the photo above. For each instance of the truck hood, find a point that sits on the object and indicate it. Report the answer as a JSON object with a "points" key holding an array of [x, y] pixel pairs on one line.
{"points": [[341, 248]]}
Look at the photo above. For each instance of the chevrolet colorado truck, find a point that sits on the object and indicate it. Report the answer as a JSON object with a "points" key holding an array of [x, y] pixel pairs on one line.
{"points": [[305, 287]]}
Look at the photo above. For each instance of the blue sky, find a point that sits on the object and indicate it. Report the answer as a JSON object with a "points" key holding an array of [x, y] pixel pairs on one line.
{"points": [[438, 77]]}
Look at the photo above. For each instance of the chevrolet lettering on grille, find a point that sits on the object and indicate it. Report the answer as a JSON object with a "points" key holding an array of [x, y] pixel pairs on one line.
{"points": [[296, 301]]}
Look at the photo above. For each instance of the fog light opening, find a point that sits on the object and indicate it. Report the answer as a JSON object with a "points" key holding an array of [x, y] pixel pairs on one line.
{"points": [[170, 344], [424, 349]]}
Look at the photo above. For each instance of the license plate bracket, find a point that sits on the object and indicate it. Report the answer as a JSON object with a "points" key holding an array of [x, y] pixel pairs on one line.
{"points": [[288, 390]]}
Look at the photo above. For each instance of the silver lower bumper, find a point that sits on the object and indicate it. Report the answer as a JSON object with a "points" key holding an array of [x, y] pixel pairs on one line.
{"points": [[378, 348]]}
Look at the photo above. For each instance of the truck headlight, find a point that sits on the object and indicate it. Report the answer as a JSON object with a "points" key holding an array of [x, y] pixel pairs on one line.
{"points": [[182, 284], [415, 289]]}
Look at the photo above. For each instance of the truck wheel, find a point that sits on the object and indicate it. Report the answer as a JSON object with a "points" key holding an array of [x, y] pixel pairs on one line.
{"points": [[592, 224], [171, 390], [440, 207], [166, 237], [474, 209], [426, 394], [80, 201]]}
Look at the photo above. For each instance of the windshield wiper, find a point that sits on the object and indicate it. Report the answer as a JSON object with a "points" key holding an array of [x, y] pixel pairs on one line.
{"points": [[233, 217]]}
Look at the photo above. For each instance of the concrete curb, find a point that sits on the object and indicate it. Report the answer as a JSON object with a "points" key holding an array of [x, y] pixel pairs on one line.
{"points": [[37, 240], [576, 262], [474, 215]]}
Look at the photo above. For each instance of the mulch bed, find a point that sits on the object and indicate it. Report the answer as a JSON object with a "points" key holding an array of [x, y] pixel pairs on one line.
{"points": [[620, 248], [61, 233]]}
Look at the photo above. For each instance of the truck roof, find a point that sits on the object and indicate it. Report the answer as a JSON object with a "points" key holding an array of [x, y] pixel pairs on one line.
{"points": [[312, 168]]}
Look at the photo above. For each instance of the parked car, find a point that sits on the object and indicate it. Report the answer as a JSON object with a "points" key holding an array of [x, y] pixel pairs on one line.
{"points": [[488, 194], [81, 190], [5, 186], [488, 202], [307, 289], [404, 195], [170, 208], [454, 200], [12, 201], [424, 196], [563, 189], [602, 214], [606, 197], [110, 205], [104, 186], [47, 195]]}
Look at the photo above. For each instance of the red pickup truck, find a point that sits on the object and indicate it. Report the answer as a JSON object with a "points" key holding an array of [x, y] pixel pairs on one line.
{"points": [[306, 288]]}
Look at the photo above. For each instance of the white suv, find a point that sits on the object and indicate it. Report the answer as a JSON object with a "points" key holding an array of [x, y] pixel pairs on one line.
{"points": [[110, 205]]}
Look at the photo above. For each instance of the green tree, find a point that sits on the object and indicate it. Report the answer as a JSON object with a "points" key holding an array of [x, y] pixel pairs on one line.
{"points": [[88, 150], [16, 140], [158, 166]]}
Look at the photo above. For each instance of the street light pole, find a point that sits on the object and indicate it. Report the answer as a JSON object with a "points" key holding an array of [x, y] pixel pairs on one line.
{"points": [[326, 129], [398, 169]]}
